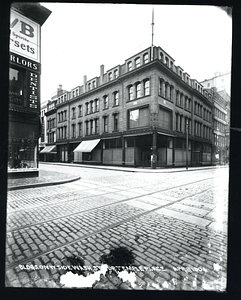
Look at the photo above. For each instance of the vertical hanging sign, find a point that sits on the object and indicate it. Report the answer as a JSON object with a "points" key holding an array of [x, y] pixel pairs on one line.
{"points": [[33, 88]]}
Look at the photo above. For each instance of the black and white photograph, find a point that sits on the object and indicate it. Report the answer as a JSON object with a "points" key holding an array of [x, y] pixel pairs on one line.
{"points": [[118, 146]]}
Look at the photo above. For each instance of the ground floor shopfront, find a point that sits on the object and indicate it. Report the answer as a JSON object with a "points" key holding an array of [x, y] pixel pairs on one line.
{"points": [[137, 150], [23, 145]]}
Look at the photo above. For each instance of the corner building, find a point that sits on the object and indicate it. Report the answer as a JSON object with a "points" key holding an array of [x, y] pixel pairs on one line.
{"points": [[26, 20], [145, 112]]}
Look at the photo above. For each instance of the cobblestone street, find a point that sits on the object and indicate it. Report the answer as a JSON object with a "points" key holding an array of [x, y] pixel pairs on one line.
{"points": [[174, 223]]}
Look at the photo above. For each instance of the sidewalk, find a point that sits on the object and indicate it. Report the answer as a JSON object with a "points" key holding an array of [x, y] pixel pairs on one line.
{"points": [[47, 178], [137, 169]]}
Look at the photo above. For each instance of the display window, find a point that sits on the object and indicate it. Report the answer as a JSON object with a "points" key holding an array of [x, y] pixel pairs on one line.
{"points": [[22, 156], [16, 83]]}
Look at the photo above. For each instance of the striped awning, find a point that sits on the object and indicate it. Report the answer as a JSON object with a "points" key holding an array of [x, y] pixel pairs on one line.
{"points": [[87, 146], [49, 149]]}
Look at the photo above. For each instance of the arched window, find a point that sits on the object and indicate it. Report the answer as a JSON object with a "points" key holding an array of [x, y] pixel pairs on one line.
{"points": [[138, 90], [147, 87], [129, 65], [116, 98], [145, 58], [130, 93], [137, 62]]}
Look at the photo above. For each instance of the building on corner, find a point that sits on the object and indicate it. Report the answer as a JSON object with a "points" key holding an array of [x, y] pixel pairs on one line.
{"points": [[144, 112]]}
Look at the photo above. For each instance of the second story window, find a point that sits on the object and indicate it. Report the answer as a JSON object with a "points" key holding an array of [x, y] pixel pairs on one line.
{"points": [[130, 93], [110, 76], [115, 116], [106, 102], [80, 111], [92, 107], [96, 104], [116, 98], [73, 94], [80, 129], [73, 130], [138, 90], [96, 126], [87, 108], [105, 124], [94, 84], [129, 65], [137, 62], [147, 88], [73, 113]]}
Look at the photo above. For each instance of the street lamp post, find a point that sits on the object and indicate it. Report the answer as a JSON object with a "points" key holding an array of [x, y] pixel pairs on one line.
{"points": [[187, 144]]}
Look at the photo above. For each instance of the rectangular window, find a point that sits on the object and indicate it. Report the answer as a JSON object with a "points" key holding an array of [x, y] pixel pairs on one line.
{"points": [[106, 102], [91, 127], [73, 130], [16, 78], [92, 106], [73, 113], [115, 122], [138, 90], [139, 117], [105, 124], [87, 127], [96, 104], [96, 126], [80, 129], [80, 110], [165, 118]]}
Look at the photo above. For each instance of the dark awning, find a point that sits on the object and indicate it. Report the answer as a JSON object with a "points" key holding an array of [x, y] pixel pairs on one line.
{"points": [[87, 146], [49, 149]]}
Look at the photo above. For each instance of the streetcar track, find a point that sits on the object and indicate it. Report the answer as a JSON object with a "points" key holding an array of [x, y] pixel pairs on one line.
{"points": [[103, 194], [98, 207], [24, 261]]}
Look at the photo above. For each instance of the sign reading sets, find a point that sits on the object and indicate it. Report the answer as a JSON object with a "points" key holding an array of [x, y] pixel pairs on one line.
{"points": [[24, 36]]}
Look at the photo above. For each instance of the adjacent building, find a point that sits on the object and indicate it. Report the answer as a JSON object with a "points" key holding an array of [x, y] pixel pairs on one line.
{"points": [[26, 20], [221, 81], [145, 112]]}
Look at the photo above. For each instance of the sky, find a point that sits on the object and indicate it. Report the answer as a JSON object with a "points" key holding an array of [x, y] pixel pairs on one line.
{"points": [[77, 38]]}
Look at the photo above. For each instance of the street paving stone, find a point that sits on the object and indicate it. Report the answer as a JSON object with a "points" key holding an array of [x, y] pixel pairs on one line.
{"points": [[172, 241]]}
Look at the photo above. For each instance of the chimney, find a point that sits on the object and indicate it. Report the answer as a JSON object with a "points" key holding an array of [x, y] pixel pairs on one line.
{"points": [[84, 83], [102, 67], [59, 89]]}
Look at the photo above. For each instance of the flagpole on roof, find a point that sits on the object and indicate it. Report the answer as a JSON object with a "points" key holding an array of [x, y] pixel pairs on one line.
{"points": [[152, 33]]}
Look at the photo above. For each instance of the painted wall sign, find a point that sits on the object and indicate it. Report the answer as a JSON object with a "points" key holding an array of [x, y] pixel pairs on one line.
{"points": [[19, 60], [24, 36]]}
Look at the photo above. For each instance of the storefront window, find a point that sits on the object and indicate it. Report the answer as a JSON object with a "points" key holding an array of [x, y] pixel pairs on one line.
{"points": [[22, 156], [15, 86]]}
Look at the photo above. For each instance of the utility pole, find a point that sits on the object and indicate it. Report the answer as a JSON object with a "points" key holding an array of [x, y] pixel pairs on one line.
{"points": [[187, 144]]}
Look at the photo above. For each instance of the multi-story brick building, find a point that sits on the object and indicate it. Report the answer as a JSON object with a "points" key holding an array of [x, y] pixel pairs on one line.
{"points": [[146, 108], [221, 125]]}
